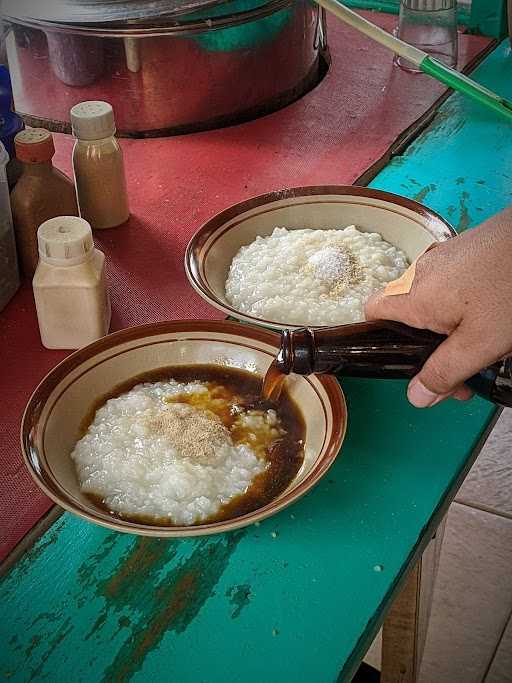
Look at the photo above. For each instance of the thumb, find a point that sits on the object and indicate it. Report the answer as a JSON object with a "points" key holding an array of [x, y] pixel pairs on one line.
{"points": [[402, 308], [453, 362]]}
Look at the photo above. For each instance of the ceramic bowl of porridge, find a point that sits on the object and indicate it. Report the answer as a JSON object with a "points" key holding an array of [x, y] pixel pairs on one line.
{"points": [[308, 256], [160, 430]]}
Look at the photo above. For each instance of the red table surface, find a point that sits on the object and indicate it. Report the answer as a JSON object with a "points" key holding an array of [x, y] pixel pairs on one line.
{"points": [[331, 136]]}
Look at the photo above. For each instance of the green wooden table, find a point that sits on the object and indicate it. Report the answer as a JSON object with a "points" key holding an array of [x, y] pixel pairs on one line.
{"points": [[301, 596]]}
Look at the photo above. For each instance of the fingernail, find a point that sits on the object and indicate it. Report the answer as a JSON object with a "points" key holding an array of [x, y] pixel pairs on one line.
{"points": [[420, 396]]}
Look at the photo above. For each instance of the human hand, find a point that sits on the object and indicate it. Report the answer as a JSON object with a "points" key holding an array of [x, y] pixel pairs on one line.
{"points": [[463, 289]]}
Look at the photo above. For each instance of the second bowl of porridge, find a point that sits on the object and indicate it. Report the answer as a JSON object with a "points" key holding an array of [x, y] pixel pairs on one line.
{"points": [[163, 430], [308, 256]]}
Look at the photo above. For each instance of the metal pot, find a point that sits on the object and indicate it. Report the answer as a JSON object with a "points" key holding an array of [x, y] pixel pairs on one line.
{"points": [[221, 65]]}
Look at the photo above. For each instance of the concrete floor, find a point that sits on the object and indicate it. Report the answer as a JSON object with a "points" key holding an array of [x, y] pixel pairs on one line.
{"points": [[470, 632]]}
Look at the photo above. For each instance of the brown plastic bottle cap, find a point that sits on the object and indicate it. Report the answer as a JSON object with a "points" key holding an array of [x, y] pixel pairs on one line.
{"points": [[34, 145]]}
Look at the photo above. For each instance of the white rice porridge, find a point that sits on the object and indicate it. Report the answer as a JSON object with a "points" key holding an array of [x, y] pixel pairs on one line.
{"points": [[312, 277], [146, 455]]}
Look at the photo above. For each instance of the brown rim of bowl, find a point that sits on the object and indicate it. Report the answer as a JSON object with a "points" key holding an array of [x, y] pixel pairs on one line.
{"points": [[40, 396], [195, 255]]}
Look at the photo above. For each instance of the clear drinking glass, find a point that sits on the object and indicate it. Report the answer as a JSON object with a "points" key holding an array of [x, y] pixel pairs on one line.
{"points": [[431, 26]]}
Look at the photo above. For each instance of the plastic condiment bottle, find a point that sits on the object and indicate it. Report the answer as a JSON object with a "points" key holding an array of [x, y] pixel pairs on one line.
{"points": [[10, 125], [9, 280], [10, 122], [98, 166], [41, 193], [70, 291]]}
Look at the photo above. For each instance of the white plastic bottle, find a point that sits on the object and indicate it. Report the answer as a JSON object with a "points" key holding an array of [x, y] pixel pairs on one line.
{"points": [[98, 166], [70, 290]]}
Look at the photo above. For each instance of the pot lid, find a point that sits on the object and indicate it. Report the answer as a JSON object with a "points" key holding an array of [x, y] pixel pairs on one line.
{"points": [[102, 11]]}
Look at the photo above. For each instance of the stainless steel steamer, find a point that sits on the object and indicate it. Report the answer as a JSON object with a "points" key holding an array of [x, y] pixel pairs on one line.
{"points": [[164, 72]]}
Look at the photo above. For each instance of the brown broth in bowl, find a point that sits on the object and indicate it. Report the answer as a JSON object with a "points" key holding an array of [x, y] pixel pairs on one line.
{"points": [[230, 390]]}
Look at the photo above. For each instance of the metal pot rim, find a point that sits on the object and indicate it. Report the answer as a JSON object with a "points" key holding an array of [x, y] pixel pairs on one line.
{"points": [[174, 28]]}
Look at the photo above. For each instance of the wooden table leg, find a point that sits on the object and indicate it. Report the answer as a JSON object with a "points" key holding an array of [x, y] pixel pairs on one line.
{"points": [[405, 628]]}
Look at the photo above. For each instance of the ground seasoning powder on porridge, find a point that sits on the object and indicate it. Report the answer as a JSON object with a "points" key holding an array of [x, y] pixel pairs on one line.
{"points": [[336, 266], [196, 434]]}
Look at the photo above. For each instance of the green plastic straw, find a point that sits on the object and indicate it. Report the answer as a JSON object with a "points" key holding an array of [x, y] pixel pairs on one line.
{"points": [[421, 60], [457, 81]]}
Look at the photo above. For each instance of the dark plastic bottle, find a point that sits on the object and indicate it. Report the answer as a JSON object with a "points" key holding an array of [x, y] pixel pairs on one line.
{"points": [[10, 125], [384, 349], [10, 122]]}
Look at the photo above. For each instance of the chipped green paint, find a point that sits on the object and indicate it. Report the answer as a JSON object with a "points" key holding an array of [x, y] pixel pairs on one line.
{"points": [[84, 574], [465, 219], [424, 192], [39, 548], [297, 596], [51, 645], [468, 151], [142, 589], [34, 642], [239, 597], [175, 598]]}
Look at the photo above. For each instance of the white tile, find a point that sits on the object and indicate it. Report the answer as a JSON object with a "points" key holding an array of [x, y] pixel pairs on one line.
{"points": [[472, 597], [501, 667], [489, 484]]}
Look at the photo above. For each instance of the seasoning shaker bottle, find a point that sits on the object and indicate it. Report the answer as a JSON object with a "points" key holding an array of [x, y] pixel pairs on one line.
{"points": [[42, 192], [70, 291], [9, 280], [379, 350], [98, 166]]}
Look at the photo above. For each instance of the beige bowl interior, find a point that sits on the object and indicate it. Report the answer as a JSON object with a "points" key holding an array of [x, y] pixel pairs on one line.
{"points": [[65, 399], [400, 221]]}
